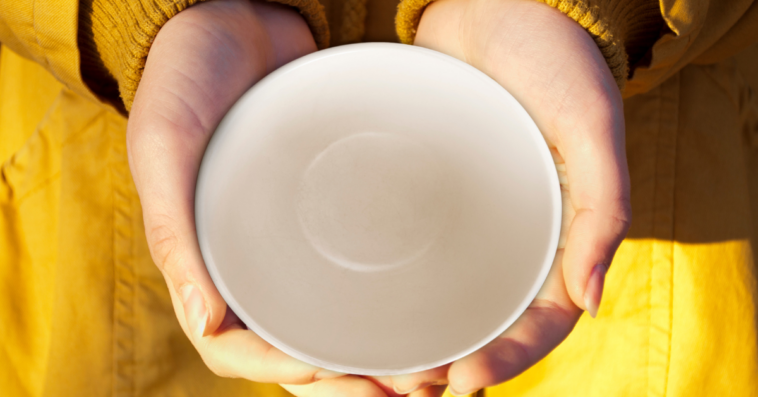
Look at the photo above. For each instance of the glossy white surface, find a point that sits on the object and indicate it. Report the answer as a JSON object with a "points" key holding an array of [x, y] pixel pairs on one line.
{"points": [[378, 209]]}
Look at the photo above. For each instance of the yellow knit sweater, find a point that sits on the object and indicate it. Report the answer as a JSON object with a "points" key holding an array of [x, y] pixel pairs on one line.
{"points": [[115, 35]]}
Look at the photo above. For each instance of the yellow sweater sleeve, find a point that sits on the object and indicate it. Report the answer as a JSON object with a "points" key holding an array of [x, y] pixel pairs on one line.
{"points": [[115, 37], [624, 30]]}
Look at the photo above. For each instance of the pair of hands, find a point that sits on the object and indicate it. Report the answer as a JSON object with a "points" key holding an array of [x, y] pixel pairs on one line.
{"points": [[207, 56]]}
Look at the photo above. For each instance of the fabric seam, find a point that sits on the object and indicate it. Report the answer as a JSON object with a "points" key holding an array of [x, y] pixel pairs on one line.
{"points": [[124, 367], [36, 37], [673, 238]]}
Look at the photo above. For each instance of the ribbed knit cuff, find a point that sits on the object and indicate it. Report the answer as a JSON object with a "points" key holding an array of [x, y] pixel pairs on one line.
{"points": [[407, 19], [617, 26], [115, 37]]}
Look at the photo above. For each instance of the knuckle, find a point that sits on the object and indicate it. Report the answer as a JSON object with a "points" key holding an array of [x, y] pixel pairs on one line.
{"points": [[548, 310], [216, 371], [311, 378], [163, 243], [215, 368], [623, 216], [513, 357], [366, 389]]}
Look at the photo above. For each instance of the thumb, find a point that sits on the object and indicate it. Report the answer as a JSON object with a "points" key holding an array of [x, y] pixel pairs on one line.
{"points": [[164, 164], [598, 184], [201, 61]]}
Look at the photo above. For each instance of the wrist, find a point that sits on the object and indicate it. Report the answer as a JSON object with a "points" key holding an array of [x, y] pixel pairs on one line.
{"points": [[623, 31], [256, 34], [546, 60], [502, 34], [116, 36], [288, 33]]}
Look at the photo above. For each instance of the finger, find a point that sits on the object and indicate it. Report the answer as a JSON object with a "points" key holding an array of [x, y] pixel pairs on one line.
{"points": [[230, 321], [542, 327], [407, 383], [598, 181], [241, 353], [237, 352], [430, 391], [168, 208], [346, 386], [385, 384], [588, 132]]}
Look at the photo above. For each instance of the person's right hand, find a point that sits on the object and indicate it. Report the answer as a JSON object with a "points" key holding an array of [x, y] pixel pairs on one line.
{"points": [[200, 63], [554, 68]]}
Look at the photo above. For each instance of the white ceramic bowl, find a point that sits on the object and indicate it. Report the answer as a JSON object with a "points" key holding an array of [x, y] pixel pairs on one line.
{"points": [[378, 209]]}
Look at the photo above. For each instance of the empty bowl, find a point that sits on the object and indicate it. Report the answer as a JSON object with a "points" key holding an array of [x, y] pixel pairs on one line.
{"points": [[378, 209]]}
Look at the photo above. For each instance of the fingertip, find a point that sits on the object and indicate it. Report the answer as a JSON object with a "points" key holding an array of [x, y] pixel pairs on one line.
{"points": [[431, 391], [456, 393], [593, 240], [473, 372], [497, 362], [215, 319], [594, 291], [327, 374], [195, 310], [408, 383], [346, 386]]}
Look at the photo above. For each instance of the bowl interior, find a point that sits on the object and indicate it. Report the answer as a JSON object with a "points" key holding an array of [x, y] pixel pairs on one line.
{"points": [[378, 209]]}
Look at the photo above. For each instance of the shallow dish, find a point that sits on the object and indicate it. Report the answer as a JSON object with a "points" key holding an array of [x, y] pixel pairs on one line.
{"points": [[378, 209]]}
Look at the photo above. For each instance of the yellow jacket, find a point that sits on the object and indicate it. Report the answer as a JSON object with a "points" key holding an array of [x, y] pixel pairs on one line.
{"points": [[84, 312]]}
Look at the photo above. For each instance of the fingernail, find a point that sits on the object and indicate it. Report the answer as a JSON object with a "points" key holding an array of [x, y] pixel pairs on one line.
{"points": [[327, 374], [458, 393], [411, 390], [195, 310], [594, 291]]}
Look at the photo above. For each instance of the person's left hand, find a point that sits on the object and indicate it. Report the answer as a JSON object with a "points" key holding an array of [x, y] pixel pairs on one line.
{"points": [[200, 63]]}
